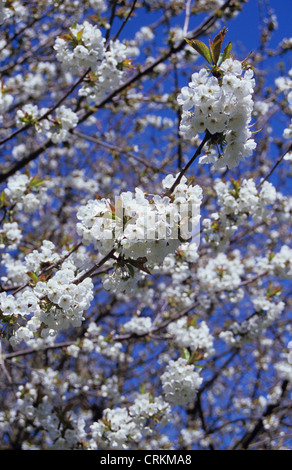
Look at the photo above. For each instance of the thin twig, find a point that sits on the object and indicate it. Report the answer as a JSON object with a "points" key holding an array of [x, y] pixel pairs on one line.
{"points": [[49, 268], [259, 426], [111, 20], [47, 113], [275, 166], [114, 148], [125, 20], [190, 162], [95, 267], [201, 29], [2, 365]]}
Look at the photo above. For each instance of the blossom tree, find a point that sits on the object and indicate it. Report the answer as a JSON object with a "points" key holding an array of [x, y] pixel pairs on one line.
{"points": [[145, 212]]}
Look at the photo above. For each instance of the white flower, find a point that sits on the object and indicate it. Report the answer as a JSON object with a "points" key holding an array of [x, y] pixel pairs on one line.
{"points": [[193, 337], [137, 227], [7, 304], [67, 117], [281, 263], [221, 108], [115, 430], [73, 350], [138, 325], [88, 54], [221, 273], [180, 382], [28, 112], [268, 193]]}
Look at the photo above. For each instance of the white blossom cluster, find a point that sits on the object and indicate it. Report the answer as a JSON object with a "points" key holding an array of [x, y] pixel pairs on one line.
{"points": [[33, 83], [193, 337], [62, 299], [25, 193], [121, 281], [281, 263], [158, 122], [287, 133], [21, 305], [49, 305], [125, 290], [237, 200], [289, 356], [203, 5], [5, 13], [180, 382], [96, 341], [84, 49], [284, 370], [115, 430], [15, 271], [119, 427], [284, 85], [67, 6], [178, 294], [222, 272], [6, 99], [246, 200], [41, 410], [277, 263], [265, 313], [144, 34], [139, 227], [10, 235], [56, 129], [78, 180], [286, 43], [46, 254], [65, 120], [110, 72], [220, 107], [29, 114], [138, 325], [189, 436], [98, 5]]}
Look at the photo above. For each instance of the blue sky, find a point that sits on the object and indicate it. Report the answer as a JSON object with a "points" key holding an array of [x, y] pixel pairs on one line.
{"points": [[245, 26]]}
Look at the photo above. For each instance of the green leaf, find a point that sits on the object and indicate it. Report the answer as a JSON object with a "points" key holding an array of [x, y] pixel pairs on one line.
{"points": [[33, 276], [2, 198], [226, 52], [216, 45], [187, 355], [142, 389], [79, 35], [35, 182], [201, 48]]}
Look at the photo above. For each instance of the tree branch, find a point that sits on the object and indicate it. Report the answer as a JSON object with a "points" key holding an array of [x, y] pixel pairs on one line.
{"points": [[244, 443], [190, 162]]}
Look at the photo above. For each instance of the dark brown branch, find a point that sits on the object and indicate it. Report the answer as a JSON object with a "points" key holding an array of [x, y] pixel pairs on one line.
{"points": [[187, 166], [125, 20], [275, 166], [247, 439], [47, 113], [92, 270], [203, 28]]}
